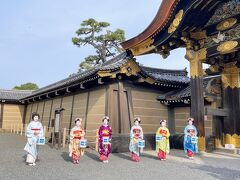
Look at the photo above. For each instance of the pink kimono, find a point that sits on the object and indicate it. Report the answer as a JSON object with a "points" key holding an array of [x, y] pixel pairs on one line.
{"points": [[104, 149]]}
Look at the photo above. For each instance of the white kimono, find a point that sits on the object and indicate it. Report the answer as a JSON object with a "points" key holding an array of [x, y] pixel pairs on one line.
{"points": [[136, 134], [31, 145]]}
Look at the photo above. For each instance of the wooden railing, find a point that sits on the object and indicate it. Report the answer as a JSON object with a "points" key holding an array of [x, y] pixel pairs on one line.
{"points": [[90, 135]]}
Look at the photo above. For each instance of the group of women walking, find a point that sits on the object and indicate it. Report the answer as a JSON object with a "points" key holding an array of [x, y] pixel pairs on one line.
{"points": [[78, 142]]}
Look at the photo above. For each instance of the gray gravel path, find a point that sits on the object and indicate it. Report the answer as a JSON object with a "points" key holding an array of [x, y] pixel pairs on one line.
{"points": [[55, 164]]}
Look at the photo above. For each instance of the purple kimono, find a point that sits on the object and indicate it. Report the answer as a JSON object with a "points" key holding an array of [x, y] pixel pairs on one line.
{"points": [[104, 131]]}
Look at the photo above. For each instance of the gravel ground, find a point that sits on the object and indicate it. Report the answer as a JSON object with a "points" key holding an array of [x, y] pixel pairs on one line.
{"points": [[55, 164]]}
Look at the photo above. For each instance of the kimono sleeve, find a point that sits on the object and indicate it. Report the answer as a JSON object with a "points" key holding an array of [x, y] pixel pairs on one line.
{"points": [[168, 133], [131, 133], [196, 132], [83, 133], [29, 133], [100, 133], [71, 134], [157, 132], [110, 132], [185, 130], [141, 134], [41, 130]]}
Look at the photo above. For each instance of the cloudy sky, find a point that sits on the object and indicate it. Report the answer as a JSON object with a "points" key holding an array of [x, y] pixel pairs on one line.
{"points": [[35, 36]]}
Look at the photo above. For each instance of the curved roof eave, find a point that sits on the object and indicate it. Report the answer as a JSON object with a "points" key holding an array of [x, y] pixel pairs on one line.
{"points": [[160, 20]]}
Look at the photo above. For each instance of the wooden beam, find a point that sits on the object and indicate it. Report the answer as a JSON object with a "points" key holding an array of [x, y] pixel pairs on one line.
{"points": [[119, 107], [100, 81], [81, 86], [216, 112], [197, 104], [43, 111], [71, 116], [86, 112], [67, 90], [171, 120], [37, 107], [1, 114], [49, 120], [24, 114], [30, 118]]}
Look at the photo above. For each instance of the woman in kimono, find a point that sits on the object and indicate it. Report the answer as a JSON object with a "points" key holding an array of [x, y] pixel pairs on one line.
{"points": [[136, 134], [34, 131], [190, 139], [77, 133], [105, 131], [162, 146]]}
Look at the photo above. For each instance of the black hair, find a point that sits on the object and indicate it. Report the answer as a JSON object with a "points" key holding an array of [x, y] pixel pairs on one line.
{"points": [[137, 119], [190, 119], [161, 121], [35, 114], [77, 119], [106, 117]]}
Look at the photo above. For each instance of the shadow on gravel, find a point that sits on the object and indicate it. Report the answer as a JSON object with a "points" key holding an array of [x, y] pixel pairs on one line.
{"points": [[219, 173], [228, 155], [92, 156], [122, 156], [24, 158], [180, 154], [66, 157], [149, 156]]}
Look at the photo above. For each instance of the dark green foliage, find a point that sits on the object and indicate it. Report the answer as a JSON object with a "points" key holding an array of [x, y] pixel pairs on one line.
{"points": [[27, 86], [105, 42]]}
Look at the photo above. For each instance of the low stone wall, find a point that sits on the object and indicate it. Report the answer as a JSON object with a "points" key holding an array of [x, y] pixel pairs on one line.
{"points": [[120, 142]]}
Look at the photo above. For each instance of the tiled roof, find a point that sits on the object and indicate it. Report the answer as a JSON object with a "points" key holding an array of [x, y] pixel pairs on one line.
{"points": [[13, 95], [160, 75], [167, 75], [175, 76], [114, 63], [182, 93]]}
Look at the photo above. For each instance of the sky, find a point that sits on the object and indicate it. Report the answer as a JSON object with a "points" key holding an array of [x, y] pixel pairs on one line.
{"points": [[35, 36]]}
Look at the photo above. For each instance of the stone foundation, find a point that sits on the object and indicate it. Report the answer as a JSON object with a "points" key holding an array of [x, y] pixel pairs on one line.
{"points": [[120, 142]]}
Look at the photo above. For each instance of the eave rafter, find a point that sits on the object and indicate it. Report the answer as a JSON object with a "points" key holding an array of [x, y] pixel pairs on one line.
{"points": [[131, 68]]}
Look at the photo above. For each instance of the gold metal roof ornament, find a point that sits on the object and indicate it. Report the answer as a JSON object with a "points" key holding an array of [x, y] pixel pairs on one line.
{"points": [[227, 47], [176, 22], [226, 24]]}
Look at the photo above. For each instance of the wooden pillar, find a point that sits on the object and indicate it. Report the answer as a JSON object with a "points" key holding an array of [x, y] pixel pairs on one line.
{"points": [[171, 120], [124, 116], [44, 131], [64, 137], [71, 116], [1, 114], [25, 129], [196, 58], [120, 129], [86, 112], [231, 101], [21, 130], [24, 114], [96, 142]]}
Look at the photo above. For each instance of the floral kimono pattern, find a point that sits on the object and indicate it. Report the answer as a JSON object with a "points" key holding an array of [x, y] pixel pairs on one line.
{"points": [[75, 151], [163, 146], [190, 148], [104, 149], [136, 134], [31, 146]]}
